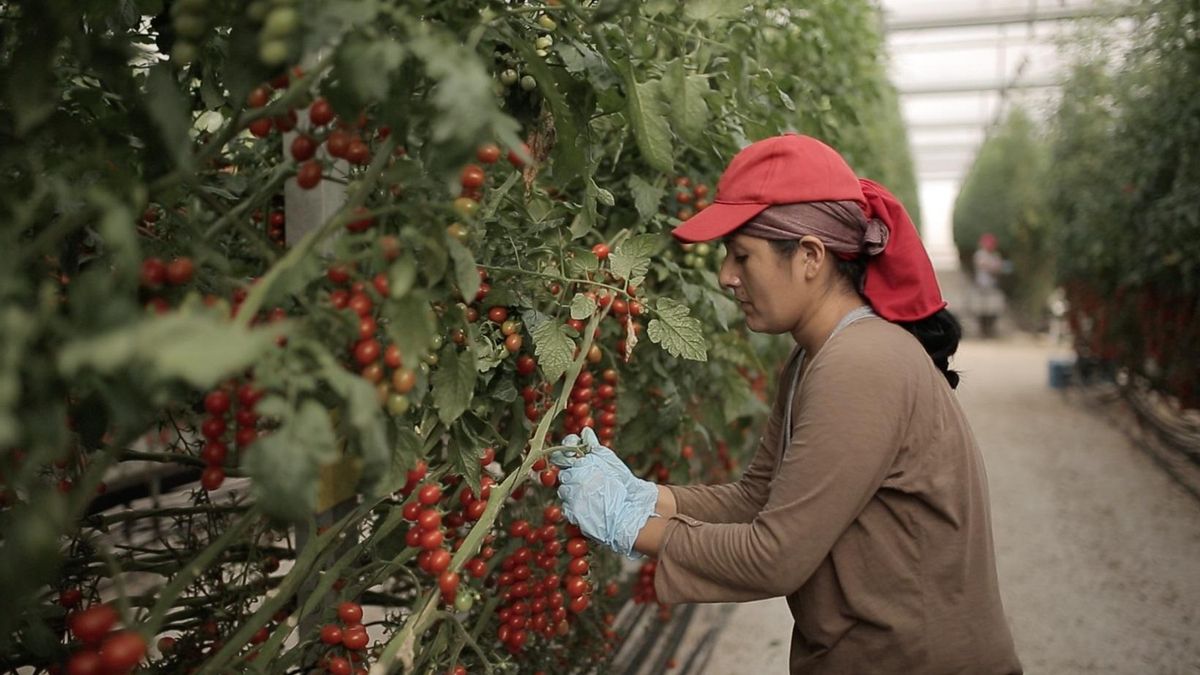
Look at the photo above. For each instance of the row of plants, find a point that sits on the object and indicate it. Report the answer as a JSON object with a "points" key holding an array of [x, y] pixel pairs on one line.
{"points": [[1100, 198], [299, 295]]}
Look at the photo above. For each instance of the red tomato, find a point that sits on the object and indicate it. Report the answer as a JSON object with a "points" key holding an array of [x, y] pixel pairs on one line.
{"points": [[180, 271], [85, 662], [303, 148], [212, 477], [448, 582], [339, 666], [331, 634], [498, 314], [321, 112], [358, 152], [258, 97], [515, 158], [121, 652], [154, 272], [432, 539], [472, 177], [92, 624], [577, 547], [261, 127], [488, 153], [338, 143], [355, 638], [601, 251], [526, 365], [429, 495], [350, 613], [439, 560], [429, 519], [366, 351], [309, 174]]}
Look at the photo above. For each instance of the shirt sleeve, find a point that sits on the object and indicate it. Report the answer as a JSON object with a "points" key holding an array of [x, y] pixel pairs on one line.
{"points": [[851, 417], [741, 500]]}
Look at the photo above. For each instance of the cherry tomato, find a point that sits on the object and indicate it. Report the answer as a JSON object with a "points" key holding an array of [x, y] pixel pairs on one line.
{"points": [[350, 613], [488, 153], [601, 251], [439, 560], [366, 351], [321, 112], [303, 148], [513, 343], [403, 380], [516, 159], [472, 177], [448, 582], [154, 273], [85, 662], [338, 143], [217, 402], [309, 174], [526, 365], [180, 271], [339, 666], [331, 634], [355, 638], [92, 624], [261, 127], [429, 495], [212, 477]]}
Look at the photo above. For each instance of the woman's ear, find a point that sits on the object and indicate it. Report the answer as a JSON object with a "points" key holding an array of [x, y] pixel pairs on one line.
{"points": [[811, 256]]}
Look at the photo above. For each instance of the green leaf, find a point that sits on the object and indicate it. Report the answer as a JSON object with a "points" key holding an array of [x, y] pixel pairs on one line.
{"points": [[631, 259], [285, 463], [582, 307], [688, 109], [463, 454], [410, 324], [401, 276], [200, 349], [569, 115], [677, 332], [645, 109], [707, 10], [646, 197], [367, 65], [453, 383], [465, 274], [364, 417], [171, 113], [552, 347]]}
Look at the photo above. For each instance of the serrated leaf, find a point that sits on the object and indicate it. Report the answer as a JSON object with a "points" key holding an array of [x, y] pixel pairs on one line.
{"points": [[285, 463], [464, 456], [648, 117], [646, 197], [676, 331], [553, 348], [631, 259], [582, 307], [453, 383], [465, 274], [410, 324]]}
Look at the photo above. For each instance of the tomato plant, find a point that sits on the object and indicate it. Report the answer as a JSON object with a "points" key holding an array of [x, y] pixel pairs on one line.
{"points": [[285, 344]]}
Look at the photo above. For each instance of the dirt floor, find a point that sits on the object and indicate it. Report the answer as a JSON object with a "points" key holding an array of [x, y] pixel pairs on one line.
{"points": [[1098, 549]]}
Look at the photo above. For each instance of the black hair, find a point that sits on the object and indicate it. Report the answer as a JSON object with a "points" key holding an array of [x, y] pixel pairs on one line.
{"points": [[939, 334]]}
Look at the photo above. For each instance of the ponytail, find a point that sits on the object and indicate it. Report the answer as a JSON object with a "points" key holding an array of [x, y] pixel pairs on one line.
{"points": [[939, 335]]}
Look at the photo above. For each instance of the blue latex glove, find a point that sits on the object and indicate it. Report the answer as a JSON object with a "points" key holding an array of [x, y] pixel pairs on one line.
{"points": [[601, 467], [592, 499]]}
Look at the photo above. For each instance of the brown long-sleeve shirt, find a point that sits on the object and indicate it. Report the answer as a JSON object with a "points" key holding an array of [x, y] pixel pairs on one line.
{"points": [[875, 524]]}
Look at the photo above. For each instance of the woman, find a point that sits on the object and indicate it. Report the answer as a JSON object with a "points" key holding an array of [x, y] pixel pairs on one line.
{"points": [[866, 503]]}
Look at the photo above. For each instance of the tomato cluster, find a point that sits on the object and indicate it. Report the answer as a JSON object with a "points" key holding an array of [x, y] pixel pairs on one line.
{"points": [[102, 651], [216, 429]]}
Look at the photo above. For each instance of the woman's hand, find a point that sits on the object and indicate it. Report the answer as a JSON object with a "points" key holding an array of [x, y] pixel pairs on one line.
{"points": [[602, 496]]}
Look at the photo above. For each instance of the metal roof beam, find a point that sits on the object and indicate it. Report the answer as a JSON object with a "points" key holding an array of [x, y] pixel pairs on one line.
{"points": [[976, 87], [894, 24]]}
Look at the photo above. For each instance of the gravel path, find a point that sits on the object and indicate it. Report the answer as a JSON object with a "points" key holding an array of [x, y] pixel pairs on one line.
{"points": [[1098, 550]]}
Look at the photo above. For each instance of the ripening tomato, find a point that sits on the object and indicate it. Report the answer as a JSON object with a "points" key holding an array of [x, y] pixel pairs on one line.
{"points": [[513, 343], [180, 271]]}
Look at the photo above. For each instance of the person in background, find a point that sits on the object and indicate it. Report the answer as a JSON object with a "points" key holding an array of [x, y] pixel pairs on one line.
{"points": [[866, 502], [989, 299]]}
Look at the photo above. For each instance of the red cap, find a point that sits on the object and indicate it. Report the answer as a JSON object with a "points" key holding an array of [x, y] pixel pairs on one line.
{"points": [[783, 169], [788, 169]]}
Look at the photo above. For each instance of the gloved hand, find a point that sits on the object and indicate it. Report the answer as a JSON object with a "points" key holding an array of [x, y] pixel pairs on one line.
{"points": [[592, 499], [601, 467]]}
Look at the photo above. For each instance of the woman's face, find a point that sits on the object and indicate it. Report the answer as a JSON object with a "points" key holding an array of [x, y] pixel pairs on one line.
{"points": [[772, 289]]}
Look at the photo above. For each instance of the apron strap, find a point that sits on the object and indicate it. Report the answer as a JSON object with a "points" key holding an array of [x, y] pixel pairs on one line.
{"points": [[853, 316]]}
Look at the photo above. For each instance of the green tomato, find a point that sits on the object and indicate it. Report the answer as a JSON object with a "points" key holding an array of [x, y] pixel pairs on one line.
{"points": [[688, 248], [257, 10], [528, 83], [690, 260], [703, 250], [280, 23], [544, 42], [508, 77], [546, 22], [183, 52], [437, 342], [189, 26], [274, 52], [464, 602], [397, 404]]}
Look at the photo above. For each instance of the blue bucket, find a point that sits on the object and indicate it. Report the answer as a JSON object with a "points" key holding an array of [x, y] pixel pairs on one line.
{"points": [[1060, 370]]}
